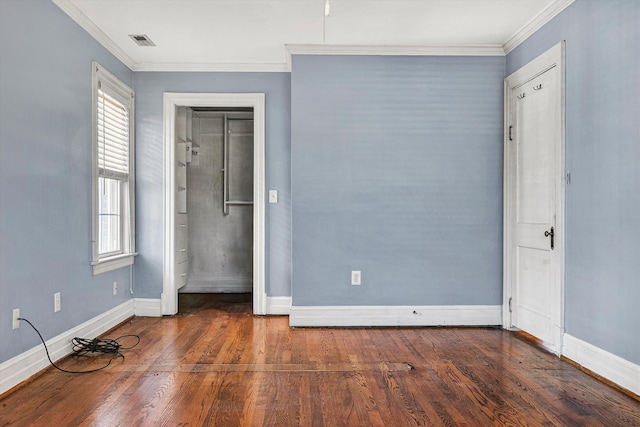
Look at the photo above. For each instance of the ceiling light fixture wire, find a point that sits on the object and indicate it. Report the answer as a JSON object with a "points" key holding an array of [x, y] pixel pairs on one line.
{"points": [[327, 12]]}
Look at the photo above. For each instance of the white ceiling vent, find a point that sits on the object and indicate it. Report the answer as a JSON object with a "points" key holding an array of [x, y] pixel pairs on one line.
{"points": [[142, 39]]}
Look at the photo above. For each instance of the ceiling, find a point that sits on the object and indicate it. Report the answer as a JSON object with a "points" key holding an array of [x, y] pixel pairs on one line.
{"points": [[259, 35]]}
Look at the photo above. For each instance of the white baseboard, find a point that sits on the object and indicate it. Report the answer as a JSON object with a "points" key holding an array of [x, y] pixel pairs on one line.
{"points": [[23, 366], [148, 307], [216, 289], [199, 285], [446, 315], [614, 368], [152, 307], [279, 305]]}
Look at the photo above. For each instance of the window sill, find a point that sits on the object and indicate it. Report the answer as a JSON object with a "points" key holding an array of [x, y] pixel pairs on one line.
{"points": [[112, 263]]}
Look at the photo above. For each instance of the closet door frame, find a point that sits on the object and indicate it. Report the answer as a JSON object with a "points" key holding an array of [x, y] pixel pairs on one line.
{"points": [[171, 102]]}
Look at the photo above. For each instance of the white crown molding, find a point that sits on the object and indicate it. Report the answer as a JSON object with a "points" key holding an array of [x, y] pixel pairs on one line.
{"points": [[349, 316], [323, 49], [546, 15], [614, 368], [434, 50], [211, 67], [89, 26], [382, 50], [23, 366], [68, 7]]}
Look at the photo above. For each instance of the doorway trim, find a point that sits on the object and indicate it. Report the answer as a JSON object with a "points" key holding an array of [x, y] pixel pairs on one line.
{"points": [[170, 102], [554, 57]]}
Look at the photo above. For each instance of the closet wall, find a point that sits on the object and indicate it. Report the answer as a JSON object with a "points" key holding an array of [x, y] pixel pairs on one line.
{"points": [[183, 152], [220, 241]]}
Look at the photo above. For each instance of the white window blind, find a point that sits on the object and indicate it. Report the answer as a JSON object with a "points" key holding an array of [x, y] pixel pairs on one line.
{"points": [[113, 137], [113, 200]]}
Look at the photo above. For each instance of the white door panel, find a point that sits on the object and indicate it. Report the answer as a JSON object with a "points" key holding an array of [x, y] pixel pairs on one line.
{"points": [[534, 203], [534, 195], [533, 292]]}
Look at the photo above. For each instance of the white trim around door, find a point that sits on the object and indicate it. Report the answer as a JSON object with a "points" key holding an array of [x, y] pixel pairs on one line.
{"points": [[257, 102], [551, 60]]}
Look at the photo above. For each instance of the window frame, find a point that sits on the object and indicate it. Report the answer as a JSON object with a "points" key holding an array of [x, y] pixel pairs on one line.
{"points": [[103, 80]]}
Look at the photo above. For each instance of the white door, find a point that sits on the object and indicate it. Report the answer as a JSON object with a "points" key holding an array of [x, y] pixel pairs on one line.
{"points": [[534, 156]]}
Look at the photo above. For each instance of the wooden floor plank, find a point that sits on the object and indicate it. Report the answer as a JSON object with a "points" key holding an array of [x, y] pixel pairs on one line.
{"points": [[215, 364]]}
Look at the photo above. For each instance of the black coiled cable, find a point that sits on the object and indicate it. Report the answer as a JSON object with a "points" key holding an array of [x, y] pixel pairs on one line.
{"points": [[85, 347]]}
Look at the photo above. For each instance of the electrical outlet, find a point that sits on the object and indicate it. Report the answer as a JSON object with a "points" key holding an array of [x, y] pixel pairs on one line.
{"points": [[56, 302], [356, 278], [115, 288], [16, 315]]}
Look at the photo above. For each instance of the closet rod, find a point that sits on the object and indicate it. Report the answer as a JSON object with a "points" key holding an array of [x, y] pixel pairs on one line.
{"points": [[219, 114], [223, 112], [225, 167]]}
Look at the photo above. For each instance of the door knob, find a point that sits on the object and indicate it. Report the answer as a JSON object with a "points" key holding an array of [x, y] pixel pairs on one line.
{"points": [[551, 234]]}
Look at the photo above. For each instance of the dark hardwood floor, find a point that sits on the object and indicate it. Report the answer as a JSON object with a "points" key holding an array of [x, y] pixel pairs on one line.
{"points": [[215, 364]]}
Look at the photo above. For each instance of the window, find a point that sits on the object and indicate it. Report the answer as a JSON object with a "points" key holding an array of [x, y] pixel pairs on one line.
{"points": [[113, 173]]}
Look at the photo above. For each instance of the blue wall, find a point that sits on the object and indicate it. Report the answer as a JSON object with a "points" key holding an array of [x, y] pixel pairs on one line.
{"points": [[45, 174], [397, 171], [149, 169], [603, 156], [389, 165]]}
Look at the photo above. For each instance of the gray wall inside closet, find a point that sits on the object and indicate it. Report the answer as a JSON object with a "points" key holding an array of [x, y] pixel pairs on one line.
{"points": [[220, 246]]}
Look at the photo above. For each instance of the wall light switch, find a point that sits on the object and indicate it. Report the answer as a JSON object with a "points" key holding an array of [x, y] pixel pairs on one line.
{"points": [[273, 196]]}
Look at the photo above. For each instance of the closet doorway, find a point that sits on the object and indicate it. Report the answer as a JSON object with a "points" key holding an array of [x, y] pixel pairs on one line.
{"points": [[219, 200], [214, 193]]}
